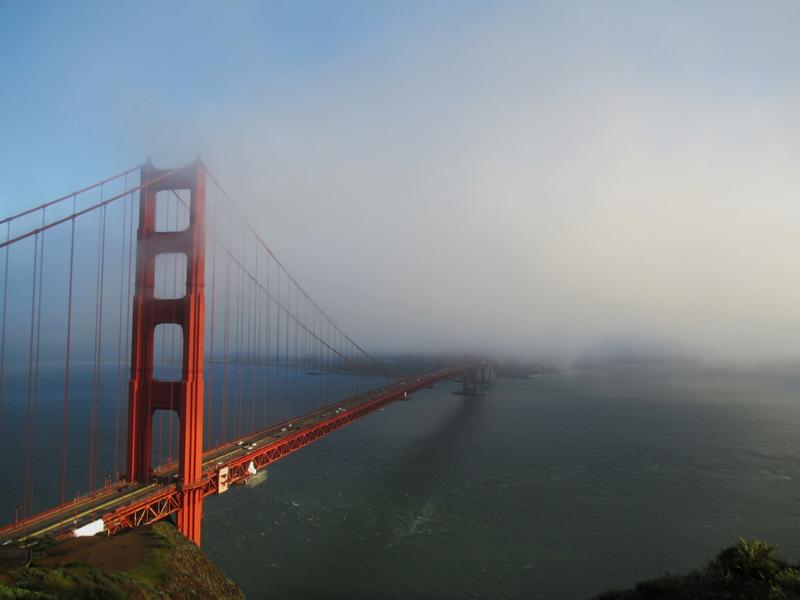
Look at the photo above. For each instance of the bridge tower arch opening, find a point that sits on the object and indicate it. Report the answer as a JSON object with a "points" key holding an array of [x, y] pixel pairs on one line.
{"points": [[184, 396]]}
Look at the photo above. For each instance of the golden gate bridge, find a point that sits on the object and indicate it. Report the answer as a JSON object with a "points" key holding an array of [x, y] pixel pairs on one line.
{"points": [[154, 351]]}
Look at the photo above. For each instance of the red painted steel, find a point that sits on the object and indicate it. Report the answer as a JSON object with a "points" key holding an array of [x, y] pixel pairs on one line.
{"points": [[146, 495], [146, 394], [154, 508], [168, 500]]}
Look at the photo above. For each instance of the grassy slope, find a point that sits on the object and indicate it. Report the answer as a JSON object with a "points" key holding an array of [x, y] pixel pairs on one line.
{"points": [[149, 562]]}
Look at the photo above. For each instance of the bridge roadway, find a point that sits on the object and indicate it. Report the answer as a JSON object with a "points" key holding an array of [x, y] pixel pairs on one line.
{"points": [[128, 505]]}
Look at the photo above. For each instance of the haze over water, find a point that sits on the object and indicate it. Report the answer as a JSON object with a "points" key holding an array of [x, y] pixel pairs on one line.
{"points": [[561, 486], [525, 179]]}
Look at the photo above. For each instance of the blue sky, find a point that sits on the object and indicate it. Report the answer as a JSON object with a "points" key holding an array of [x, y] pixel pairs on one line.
{"points": [[622, 168], [69, 69], [65, 65], [77, 76]]}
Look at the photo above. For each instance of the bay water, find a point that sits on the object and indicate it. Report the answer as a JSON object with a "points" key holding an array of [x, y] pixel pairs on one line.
{"points": [[558, 486]]}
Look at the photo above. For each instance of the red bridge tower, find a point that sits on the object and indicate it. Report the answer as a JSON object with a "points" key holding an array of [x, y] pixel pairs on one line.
{"points": [[146, 394]]}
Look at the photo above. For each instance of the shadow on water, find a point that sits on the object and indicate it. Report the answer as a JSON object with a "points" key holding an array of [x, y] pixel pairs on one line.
{"points": [[377, 528], [423, 463]]}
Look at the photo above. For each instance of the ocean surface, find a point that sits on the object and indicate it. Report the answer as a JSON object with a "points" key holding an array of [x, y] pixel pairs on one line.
{"points": [[560, 486]]}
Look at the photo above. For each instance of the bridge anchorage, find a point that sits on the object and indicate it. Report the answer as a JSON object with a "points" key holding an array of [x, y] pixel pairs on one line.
{"points": [[253, 370]]}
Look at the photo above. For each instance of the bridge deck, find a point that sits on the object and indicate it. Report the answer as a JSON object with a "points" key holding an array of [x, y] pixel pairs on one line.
{"points": [[133, 504]]}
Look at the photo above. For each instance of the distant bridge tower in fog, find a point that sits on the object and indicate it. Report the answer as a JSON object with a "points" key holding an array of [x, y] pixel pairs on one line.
{"points": [[475, 378]]}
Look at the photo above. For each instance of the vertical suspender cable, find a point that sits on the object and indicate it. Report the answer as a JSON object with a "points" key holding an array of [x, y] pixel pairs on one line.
{"points": [[95, 429], [306, 339], [247, 342], [67, 351], [3, 329], [210, 419], [248, 360], [328, 371], [226, 332], [278, 378], [38, 345], [268, 348], [296, 407], [286, 355], [120, 384], [28, 413], [237, 415], [318, 360], [241, 357], [254, 350], [130, 276], [290, 395]]}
